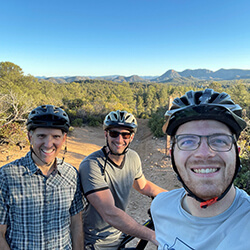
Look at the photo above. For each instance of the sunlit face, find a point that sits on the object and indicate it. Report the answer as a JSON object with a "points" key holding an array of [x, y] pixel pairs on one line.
{"points": [[118, 144], [46, 143], [206, 173]]}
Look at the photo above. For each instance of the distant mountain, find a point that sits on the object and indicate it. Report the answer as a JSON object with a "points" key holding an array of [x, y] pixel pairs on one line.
{"points": [[170, 75], [197, 73], [204, 74], [133, 78]]}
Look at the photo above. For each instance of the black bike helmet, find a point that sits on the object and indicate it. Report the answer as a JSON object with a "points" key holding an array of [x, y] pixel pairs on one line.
{"points": [[48, 116], [118, 119], [204, 105]]}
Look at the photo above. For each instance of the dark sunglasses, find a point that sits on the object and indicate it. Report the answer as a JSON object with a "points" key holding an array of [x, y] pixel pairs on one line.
{"points": [[115, 134]]}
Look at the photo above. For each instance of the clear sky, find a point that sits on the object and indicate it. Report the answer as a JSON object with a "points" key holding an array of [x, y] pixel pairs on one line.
{"points": [[124, 37]]}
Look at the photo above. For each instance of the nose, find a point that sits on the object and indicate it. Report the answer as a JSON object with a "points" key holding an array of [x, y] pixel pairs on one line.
{"points": [[48, 142], [119, 137], [204, 150]]}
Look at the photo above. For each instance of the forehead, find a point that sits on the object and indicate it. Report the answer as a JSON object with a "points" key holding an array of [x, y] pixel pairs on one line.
{"points": [[120, 130], [203, 127], [48, 131]]}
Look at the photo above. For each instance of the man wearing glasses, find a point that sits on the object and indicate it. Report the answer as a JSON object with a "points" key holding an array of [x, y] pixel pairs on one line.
{"points": [[209, 212], [107, 177]]}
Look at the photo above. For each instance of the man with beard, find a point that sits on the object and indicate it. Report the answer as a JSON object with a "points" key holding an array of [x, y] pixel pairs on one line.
{"points": [[107, 177], [209, 212]]}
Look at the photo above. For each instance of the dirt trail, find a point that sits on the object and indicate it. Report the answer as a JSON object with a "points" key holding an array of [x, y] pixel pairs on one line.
{"points": [[156, 166]]}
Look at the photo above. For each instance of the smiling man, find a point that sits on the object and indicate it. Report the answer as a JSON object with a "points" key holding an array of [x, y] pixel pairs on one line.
{"points": [[209, 212], [40, 196], [107, 177]]}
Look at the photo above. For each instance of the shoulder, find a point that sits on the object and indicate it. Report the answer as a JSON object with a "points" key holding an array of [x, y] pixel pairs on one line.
{"points": [[95, 156], [66, 167], [92, 164], [131, 154], [243, 197], [17, 165], [170, 196]]}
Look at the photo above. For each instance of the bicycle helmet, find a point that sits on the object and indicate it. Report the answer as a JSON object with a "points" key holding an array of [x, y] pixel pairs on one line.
{"points": [[48, 116], [118, 119], [204, 105]]}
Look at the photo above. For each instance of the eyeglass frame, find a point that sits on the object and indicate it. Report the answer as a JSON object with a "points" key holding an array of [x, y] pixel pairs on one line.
{"points": [[175, 141], [120, 133]]}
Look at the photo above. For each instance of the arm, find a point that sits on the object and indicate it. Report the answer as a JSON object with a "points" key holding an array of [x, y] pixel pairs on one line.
{"points": [[103, 202], [3, 244], [143, 186], [76, 229]]}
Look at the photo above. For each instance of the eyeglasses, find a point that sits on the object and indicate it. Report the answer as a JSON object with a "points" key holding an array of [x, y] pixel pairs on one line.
{"points": [[115, 134], [217, 142]]}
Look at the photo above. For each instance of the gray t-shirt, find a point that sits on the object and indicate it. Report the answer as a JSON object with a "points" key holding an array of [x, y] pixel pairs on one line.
{"points": [[177, 229], [119, 179]]}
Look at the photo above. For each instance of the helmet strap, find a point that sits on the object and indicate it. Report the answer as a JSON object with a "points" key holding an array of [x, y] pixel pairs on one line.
{"points": [[64, 152]]}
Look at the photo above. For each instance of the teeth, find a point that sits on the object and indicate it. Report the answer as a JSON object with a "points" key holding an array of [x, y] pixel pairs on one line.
{"points": [[205, 170], [47, 151]]}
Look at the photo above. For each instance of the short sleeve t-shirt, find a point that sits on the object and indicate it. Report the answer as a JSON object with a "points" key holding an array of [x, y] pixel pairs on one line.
{"points": [[98, 173], [177, 229]]}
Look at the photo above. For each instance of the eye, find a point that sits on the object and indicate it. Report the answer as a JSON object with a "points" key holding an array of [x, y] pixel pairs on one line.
{"points": [[56, 136], [40, 136], [220, 141], [187, 141]]}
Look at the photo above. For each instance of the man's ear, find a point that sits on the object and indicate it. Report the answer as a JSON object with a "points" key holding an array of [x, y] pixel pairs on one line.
{"points": [[65, 137], [239, 148], [29, 136], [132, 137], [105, 133], [170, 152]]}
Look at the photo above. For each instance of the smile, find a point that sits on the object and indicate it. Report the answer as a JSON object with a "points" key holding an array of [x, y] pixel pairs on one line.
{"points": [[47, 151], [205, 170]]}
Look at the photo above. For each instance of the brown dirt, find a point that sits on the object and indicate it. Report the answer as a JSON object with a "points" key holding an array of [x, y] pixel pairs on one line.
{"points": [[156, 165]]}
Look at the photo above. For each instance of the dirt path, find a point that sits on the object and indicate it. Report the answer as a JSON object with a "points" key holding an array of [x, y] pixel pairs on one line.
{"points": [[156, 166]]}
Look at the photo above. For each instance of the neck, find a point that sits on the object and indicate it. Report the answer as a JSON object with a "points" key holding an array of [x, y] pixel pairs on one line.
{"points": [[117, 159], [192, 206], [45, 168]]}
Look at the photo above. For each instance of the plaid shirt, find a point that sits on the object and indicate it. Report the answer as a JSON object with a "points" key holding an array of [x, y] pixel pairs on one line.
{"points": [[36, 208]]}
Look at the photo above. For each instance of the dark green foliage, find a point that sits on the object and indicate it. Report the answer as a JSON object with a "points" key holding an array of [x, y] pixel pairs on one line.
{"points": [[77, 122], [156, 122], [94, 121], [243, 178]]}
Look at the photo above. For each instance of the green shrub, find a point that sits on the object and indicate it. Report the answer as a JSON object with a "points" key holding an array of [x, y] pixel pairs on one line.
{"points": [[243, 178], [78, 122], [94, 121], [156, 122], [13, 134]]}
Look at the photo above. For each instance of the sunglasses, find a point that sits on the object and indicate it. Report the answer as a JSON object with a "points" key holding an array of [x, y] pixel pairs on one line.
{"points": [[115, 134]]}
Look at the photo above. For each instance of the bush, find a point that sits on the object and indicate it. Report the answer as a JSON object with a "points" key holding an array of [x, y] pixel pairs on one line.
{"points": [[243, 178], [78, 122], [12, 134], [94, 121], [157, 121]]}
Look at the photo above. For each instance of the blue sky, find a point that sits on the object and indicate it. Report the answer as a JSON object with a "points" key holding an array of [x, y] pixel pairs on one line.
{"points": [[124, 37]]}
